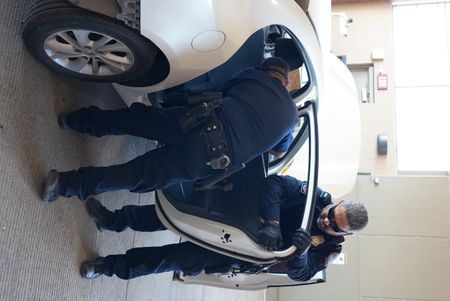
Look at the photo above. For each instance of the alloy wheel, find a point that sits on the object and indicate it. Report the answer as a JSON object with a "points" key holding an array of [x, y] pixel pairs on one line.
{"points": [[89, 52]]}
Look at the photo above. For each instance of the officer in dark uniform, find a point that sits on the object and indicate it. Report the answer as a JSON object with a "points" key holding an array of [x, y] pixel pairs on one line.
{"points": [[283, 201], [256, 113]]}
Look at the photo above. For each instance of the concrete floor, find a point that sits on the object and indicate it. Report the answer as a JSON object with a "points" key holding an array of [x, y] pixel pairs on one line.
{"points": [[42, 245]]}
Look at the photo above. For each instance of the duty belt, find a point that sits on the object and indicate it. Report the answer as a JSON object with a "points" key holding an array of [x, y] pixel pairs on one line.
{"points": [[204, 106], [203, 114], [215, 141]]}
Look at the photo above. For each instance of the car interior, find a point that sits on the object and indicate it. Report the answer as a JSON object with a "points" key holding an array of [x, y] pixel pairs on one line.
{"points": [[237, 206]]}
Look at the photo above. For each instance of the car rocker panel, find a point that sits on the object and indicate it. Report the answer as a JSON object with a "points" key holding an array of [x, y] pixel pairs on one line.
{"points": [[246, 281]]}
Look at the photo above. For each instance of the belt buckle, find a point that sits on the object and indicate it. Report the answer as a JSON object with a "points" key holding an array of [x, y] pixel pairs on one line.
{"points": [[221, 162]]}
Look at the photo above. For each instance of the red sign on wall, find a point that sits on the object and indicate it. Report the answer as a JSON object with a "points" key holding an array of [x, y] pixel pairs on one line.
{"points": [[382, 81]]}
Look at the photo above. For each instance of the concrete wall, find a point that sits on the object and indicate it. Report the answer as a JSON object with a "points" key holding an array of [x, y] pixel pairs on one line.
{"points": [[404, 253], [371, 29]]}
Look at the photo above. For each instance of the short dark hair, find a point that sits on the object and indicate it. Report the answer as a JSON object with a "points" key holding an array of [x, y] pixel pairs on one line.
{"points": [[275, 64], [356, 214]]}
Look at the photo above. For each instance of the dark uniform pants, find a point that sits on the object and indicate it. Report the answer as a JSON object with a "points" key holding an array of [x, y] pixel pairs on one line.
{"points": [[138, 218], [185, 257], [183, 158]]}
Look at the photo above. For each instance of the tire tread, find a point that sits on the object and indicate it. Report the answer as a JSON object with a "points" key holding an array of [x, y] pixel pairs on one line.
{"points": [[39, 6]]}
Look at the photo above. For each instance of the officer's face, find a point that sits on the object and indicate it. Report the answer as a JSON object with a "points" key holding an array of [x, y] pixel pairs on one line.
{"points": [[333, 220]]}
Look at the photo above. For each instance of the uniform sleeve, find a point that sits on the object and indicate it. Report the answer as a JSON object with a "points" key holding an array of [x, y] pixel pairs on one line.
{"points": [[278, 191], [302, 269], [284, 144], [323, 198]]}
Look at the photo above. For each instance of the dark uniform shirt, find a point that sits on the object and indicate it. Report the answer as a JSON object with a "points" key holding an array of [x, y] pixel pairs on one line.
{"points": [[284, 144], [257, 113], [284, 200]]}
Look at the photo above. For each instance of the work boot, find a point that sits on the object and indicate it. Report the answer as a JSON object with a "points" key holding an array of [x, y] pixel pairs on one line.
{"points": [[91, 269], [62, 121], [98, 212], [50, 186]]}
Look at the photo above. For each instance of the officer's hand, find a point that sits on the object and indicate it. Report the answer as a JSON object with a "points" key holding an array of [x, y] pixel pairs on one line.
{"points": [[270, 236], [302, 240]]}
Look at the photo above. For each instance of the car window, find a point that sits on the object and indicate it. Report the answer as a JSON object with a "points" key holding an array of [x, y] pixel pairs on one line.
{"points": [[297, 135], [278, 41]]}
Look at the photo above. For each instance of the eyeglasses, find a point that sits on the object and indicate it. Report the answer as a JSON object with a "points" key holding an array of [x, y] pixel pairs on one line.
{"points": [[332, 220]]}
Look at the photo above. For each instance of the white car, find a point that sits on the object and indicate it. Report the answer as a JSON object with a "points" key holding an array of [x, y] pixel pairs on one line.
{"points": [[157, 45], [151, 48]]}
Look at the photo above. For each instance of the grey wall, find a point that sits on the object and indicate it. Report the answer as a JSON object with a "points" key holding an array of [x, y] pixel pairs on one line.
{"points": [[371, 29], [404, 253]]}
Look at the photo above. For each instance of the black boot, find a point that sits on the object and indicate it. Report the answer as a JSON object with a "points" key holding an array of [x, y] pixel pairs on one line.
{"points": [[99, 213], [50, 187], [91, 269]]}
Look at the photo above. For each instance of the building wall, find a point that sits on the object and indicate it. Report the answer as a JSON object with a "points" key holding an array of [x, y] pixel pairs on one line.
{"points": [[371, 30], [403, 254]]}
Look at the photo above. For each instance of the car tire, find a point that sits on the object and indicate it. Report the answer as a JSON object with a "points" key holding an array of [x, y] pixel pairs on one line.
{"points": [[85, 45]]}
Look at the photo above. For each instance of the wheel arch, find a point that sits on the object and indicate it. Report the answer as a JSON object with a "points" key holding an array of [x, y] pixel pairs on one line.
{"points": [[128, 11]]}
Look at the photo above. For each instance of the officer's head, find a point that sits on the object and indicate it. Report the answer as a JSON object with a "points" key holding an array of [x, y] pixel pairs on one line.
{"points": [[276, 67], [343, 218]]}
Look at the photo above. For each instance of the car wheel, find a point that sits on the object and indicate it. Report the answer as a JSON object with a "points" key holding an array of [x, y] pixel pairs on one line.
{"points": [[85, 45]]}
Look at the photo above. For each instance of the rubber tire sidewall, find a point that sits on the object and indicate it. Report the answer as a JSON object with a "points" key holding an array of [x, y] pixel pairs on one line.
{"points": [[41, 26]]}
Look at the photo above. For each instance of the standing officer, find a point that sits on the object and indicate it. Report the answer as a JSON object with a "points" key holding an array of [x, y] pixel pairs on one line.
{"points": [[256, 113]]}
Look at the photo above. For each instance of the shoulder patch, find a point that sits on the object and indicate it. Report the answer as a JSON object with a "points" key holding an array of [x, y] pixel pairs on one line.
{"points": [[324, 194], [304, 188], [317, 240]]}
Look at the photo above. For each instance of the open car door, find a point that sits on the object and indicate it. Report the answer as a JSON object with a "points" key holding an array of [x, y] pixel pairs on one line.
{"points": [[228, 221]]}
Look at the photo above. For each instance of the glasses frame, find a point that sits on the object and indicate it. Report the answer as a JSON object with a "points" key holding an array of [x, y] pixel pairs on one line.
{"points": [[332, 219]]}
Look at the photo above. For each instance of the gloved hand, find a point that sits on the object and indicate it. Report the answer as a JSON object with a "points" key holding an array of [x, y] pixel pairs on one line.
{"points": [[270, 236], [302, 240]]}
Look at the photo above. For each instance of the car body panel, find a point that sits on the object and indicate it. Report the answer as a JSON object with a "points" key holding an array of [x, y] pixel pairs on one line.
{"points": [[245, 281], [174, 36], [213, 234]]}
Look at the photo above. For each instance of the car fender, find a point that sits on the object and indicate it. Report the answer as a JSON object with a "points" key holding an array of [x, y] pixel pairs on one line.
{"points": [[226, 20]]}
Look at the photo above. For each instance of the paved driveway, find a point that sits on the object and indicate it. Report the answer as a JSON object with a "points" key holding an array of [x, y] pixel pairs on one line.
{"points": [[42, 245]]}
